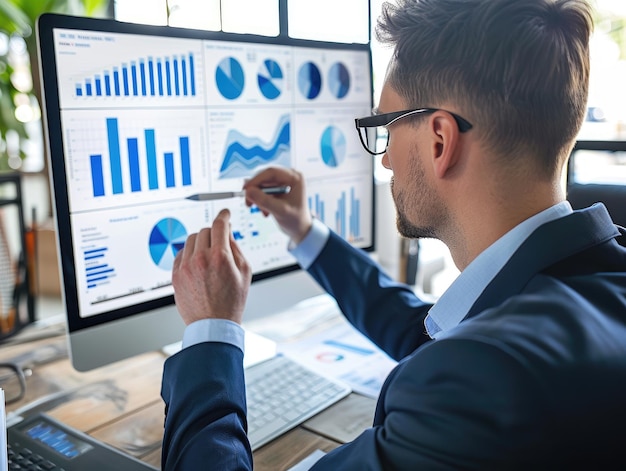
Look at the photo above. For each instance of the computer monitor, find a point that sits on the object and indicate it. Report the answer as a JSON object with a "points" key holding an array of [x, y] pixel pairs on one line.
{"points": [[140, 117]]}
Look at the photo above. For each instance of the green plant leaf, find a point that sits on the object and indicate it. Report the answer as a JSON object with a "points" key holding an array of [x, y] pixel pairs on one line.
{"points": [[13, 19]]}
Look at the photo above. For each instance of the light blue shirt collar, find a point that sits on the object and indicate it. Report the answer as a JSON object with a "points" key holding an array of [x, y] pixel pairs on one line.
{"points": [[457, 300]]}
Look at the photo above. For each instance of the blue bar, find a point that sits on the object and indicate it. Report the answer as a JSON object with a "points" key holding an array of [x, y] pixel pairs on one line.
{"points": [[91, 257], [341, 215], [79, 90], [355, 215], [133, 73], [358, 218], [183, 67], [102, 249], [97, 273], [185, 160], [114, 156], [352, 225], [116, 82], [151, 75], [160, 76], [97, 279], [153, 179], [133, 164], [107, 84], [192, 75], [142, 72], [344, 214], [168, 78], [96, 267], [87, 87], [319, 207], [349, 347], [125, 78], [176, 79], [169, 170], [97, 178], [98, 86]]}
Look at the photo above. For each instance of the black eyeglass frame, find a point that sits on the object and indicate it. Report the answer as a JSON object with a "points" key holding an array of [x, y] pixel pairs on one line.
{"points": [[21, 378], [387, 119]]}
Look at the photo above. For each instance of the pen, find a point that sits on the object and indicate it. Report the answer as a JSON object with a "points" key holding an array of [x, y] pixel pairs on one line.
{"points": [[220, 195]]}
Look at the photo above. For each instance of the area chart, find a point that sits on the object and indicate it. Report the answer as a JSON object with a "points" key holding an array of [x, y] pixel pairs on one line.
{"points": [[244, 153]]}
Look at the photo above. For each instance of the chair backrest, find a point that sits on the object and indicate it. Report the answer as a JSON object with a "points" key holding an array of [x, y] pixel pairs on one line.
{"points": [[582, 193]]}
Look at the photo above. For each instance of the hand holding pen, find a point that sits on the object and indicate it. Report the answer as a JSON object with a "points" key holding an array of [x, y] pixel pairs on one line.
{"points": [[290, 210]]}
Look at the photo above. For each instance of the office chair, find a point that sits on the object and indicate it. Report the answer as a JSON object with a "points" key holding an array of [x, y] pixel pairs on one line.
{"points": [[613, 194]]}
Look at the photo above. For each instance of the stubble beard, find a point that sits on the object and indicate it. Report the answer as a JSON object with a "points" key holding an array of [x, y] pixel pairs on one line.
{"points": [[421, 201]]}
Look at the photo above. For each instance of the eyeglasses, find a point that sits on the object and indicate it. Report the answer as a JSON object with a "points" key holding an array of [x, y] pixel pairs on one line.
{"points": [[13, 381], [380, 122]]}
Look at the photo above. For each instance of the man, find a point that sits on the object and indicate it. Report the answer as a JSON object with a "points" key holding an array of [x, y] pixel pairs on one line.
{"points": [[521, 364]]}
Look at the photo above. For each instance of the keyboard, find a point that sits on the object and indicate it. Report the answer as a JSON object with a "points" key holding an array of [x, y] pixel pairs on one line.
{"points": [[282, 394]]}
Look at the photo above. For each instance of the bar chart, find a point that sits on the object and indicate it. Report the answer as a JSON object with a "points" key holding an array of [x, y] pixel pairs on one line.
{"points": [[97, 270], [345, 220], [165, 76], [114, 158]]}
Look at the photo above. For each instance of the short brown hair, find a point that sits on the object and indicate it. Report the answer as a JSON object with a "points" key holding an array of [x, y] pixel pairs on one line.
{"points": [[519, 69]]}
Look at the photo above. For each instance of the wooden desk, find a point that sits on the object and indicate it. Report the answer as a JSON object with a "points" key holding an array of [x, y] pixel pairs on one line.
{"points": [[120, 404]]}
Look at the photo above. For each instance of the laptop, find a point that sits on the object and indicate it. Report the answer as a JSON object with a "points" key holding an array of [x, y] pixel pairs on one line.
{"points": [[41, 442]]}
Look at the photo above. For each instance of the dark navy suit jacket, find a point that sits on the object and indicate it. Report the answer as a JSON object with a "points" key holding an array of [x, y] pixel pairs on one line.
{"points": [[534, 377]]}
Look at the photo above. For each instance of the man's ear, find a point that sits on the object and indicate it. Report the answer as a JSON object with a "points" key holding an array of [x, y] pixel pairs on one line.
{"points": [[445, 143]]}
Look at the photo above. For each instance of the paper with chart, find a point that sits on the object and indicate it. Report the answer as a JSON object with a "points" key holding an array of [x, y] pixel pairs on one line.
{"points": [[342, 352]]}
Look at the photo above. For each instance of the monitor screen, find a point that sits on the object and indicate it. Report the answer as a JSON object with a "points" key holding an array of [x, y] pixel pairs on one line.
{"points": [[138, 118]]}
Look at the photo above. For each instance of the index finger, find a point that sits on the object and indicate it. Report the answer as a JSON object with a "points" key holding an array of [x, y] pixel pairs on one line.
{"points": [[220, 231]]}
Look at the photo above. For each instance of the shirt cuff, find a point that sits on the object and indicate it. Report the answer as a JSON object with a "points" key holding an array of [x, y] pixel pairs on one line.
{"points": [[310, 247], [214, 330]]}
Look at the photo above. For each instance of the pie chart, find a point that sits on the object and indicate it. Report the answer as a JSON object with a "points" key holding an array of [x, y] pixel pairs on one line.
{"points": [[333, 146], [339, 80], [309, 80], [229, 78], [166, 239], [270, 78]]}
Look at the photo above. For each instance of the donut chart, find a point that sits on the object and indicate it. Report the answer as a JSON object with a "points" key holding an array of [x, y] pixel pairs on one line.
{"points": [[167, 238]]}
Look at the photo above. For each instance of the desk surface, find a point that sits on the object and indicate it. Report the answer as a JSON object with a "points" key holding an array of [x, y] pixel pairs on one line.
{"points": [[120, 404]]}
